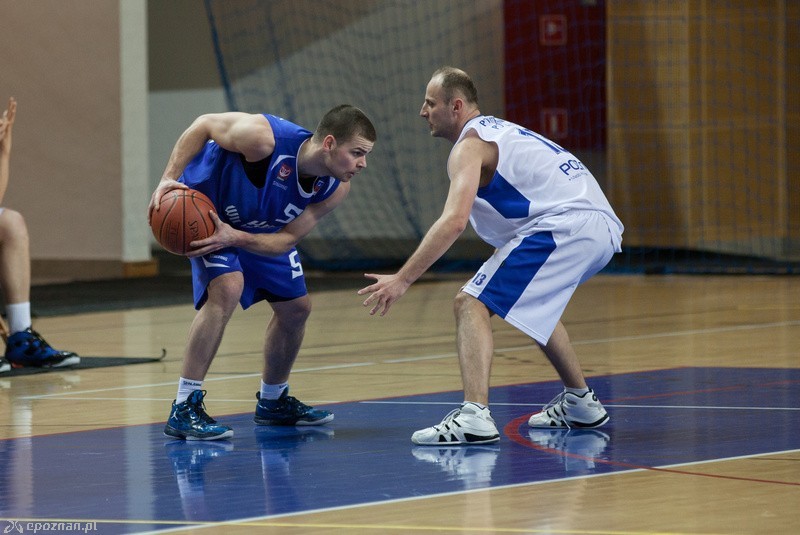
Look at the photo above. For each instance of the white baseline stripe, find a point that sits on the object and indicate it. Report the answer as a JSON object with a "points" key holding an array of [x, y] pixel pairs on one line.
{"points": [[444, 403], [537, 405]]}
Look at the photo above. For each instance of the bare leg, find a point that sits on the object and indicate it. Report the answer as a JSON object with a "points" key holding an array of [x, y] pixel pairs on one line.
{"points": [[284, 337], [562, 356], [209, 325], [15, 262], [475, 347]]}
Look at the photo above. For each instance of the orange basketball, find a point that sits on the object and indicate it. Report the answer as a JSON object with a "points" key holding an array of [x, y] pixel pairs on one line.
{"points": [[181, 219]]}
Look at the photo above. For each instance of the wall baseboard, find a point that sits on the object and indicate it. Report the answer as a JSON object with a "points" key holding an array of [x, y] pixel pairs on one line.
{"points": [[56, 271]]}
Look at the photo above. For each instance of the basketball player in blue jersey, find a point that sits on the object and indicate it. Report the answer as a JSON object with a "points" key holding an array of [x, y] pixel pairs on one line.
{"points": [[552, 228], [271, 182], [24, 346]]}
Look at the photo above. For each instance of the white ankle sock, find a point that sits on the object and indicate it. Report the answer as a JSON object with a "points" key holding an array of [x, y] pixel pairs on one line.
{"points": [[185, 389], [19, 317], [272, 391]]}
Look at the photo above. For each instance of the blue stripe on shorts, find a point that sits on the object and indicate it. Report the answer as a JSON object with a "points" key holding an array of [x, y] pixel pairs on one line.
{"points": [[516, 272]]}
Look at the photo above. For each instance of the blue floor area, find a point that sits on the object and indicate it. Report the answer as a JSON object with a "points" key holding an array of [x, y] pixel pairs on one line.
{"points": [[134, 479]]}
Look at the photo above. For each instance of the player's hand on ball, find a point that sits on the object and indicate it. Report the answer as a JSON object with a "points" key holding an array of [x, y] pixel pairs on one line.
{"points": [[163, 187], [223, 236]]}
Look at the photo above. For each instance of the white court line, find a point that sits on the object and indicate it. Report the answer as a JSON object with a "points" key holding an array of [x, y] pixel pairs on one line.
{"points": [[447, 403], [607, 405], [690, 332], [207, 380]]}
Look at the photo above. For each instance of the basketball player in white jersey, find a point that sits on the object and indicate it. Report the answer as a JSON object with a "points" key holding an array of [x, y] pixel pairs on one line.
{"points": [[552, 228]]}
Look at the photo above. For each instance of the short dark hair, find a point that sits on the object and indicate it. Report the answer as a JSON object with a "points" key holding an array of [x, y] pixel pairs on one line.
{"points": [[455, 80], [345, 122]]}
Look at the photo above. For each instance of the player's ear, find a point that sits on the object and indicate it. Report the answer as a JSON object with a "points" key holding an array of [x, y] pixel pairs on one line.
{"points": [[329, 142]]}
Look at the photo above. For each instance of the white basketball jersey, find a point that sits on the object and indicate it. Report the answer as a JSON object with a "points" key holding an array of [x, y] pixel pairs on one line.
{"points": [[535, 178]]}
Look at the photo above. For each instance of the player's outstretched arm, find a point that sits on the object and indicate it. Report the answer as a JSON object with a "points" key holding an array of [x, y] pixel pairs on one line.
{"points": [[6, 127], [464, 168]]}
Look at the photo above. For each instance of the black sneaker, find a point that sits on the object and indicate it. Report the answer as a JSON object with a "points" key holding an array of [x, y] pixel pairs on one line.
{"points": [[287, 410]]}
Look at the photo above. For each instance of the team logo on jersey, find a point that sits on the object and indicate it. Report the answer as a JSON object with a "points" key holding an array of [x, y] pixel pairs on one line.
{"points": [[319, 184], [284, 172], [233, 214]]}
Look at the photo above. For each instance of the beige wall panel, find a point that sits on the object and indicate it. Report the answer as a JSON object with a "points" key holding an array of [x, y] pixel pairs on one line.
{"points": [[61, 61]]}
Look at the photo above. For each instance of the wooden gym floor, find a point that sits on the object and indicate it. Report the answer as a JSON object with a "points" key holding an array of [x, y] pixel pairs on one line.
{"points": [[699, 373]]}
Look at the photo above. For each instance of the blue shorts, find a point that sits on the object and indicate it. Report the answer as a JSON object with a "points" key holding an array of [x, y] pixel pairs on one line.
{"points": [[274, 278]]}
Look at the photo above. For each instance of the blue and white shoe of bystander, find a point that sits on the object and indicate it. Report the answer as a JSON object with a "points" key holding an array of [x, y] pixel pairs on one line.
{"points": [[28, 349], [189, 421]]}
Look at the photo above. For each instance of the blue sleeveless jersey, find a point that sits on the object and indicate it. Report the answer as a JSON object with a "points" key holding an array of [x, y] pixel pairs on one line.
{"points": [[220, 175]]}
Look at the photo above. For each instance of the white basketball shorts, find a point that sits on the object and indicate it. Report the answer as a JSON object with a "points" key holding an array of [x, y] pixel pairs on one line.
{"points": [[529, 281]]}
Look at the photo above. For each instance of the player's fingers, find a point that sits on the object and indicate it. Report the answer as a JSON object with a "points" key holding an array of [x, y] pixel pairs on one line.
{"points": [[386, 305], [367, 289], [381, 303], [371, 287], [151, 207], [383, 307], [164, 188], [369, 299], [155, 200], [215, 219]]}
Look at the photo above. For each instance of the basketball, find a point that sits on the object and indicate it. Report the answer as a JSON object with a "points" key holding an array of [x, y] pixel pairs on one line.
{"points": [[181, 219]]}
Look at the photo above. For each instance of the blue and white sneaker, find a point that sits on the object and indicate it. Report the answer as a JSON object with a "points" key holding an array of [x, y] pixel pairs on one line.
{"points": [[189, 421], [288, 410], [4, 365], [28, 349]]}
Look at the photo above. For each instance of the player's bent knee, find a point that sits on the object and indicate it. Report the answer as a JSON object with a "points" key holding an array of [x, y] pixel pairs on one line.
{"points": [[226, 290], [12, 225], [464, 302], [295, 311]]}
